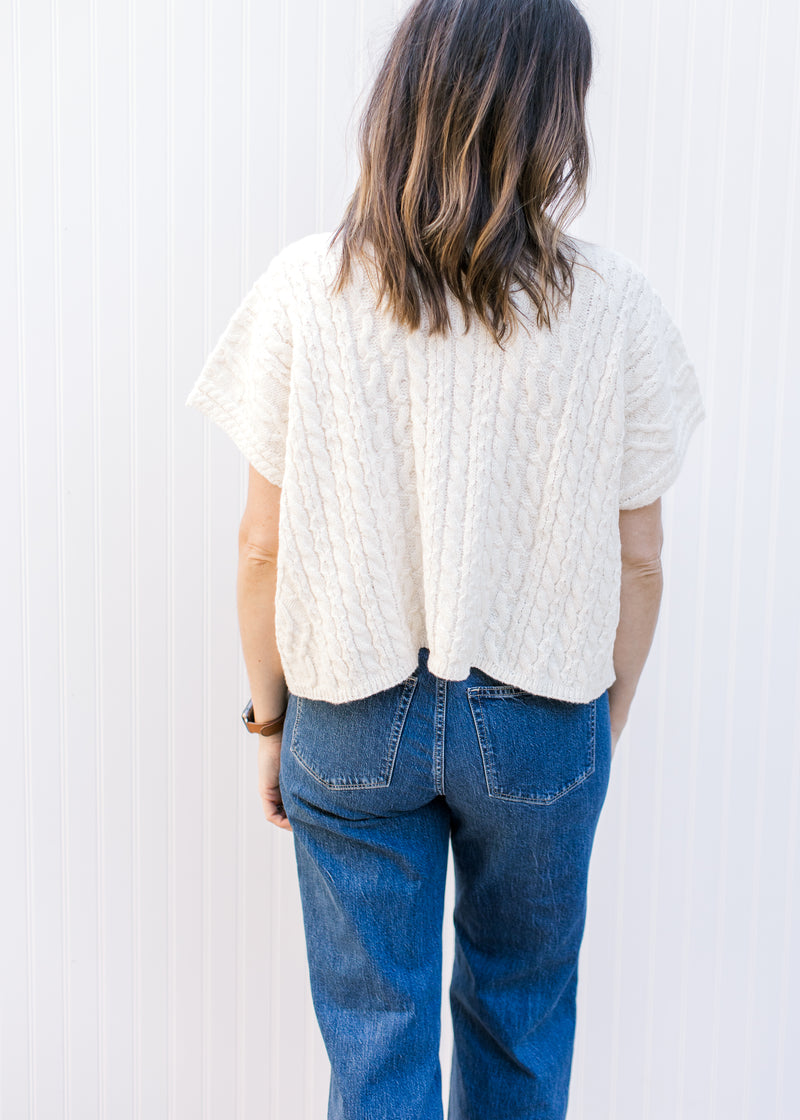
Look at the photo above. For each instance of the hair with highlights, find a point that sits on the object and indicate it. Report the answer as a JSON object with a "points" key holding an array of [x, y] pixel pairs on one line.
{"points": [[474, 157]]}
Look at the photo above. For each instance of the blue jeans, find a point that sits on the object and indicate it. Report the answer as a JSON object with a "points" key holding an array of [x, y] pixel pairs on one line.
{"points": [[376, 790]]}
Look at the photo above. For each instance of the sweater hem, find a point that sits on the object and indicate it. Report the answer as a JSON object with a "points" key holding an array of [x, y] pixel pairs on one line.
{"points": [[378, 682], [543, 686], [366, 686]]}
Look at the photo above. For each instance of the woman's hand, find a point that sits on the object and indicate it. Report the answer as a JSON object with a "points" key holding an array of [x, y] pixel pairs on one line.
{"points": [[269, 790]]}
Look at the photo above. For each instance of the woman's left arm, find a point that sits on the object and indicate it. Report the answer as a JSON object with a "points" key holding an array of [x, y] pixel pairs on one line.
{"points": [[255, 596]]}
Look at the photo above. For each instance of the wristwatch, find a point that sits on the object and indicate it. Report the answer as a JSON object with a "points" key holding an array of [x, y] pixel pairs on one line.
{"points": [[271, 727]]}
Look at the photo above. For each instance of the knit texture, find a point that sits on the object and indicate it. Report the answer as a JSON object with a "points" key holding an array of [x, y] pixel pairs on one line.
{"points": [[440, 491]]}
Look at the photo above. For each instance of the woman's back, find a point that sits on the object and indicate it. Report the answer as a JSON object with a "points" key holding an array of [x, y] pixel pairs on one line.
{"points": [[461, 611], [440, 490]]}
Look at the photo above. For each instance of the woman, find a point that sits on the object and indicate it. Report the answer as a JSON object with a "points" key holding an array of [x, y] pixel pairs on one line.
{"points": [[459, 423]]}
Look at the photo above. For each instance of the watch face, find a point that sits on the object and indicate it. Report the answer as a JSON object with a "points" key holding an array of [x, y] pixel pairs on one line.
{"points": [[247, 714]]}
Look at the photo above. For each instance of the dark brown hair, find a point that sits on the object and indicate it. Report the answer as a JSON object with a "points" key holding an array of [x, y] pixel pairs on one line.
{"points": [[474, 157]]}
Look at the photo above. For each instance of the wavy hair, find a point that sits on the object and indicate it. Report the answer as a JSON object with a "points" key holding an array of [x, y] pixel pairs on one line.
{"points": [[474, 157]]}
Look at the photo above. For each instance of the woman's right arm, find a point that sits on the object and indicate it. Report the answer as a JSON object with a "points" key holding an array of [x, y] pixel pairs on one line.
{"points": [[641, 539]]}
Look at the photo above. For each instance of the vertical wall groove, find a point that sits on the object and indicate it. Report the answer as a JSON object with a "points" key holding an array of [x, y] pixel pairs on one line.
{"points": [[762, 742], [206, 897], [135, 800], [24, 560], [63, 767], [789, 887], [730, 692], [171, 569], [97, 605]]}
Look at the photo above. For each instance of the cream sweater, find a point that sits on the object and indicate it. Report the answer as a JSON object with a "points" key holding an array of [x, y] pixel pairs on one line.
{"points": [[439, 492]]}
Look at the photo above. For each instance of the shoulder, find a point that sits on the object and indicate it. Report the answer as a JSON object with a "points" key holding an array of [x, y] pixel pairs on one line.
{"points": [[305, 253], [614, 268], [312, 247], [296, 267], [622, 280]]}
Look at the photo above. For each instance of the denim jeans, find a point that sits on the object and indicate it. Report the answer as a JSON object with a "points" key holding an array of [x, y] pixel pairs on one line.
{"points": [[376, 790]]}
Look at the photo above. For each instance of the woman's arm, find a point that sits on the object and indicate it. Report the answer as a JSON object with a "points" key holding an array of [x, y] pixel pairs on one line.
{"points": [[642, 581], [255, 594]]}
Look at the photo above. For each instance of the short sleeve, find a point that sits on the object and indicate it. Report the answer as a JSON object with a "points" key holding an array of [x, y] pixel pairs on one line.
{"points": [[663, 404], [244, 385]]}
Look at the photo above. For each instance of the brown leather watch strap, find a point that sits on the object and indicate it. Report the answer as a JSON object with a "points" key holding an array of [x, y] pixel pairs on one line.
{"points": [[271, 727]]}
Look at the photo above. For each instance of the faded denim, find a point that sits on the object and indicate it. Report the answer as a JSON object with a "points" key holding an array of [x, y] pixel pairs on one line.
{"points": [[376, 790]]}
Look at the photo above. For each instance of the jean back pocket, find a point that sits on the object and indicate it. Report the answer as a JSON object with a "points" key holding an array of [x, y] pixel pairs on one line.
{"points": [[534, 748], [352, 745]]}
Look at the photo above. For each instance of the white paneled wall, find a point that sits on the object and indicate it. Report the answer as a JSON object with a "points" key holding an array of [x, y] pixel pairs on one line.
{"points": [[157, 153]]}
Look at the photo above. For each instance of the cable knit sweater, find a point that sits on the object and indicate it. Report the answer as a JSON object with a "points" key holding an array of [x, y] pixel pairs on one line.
{"points": [[440, 491]]}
